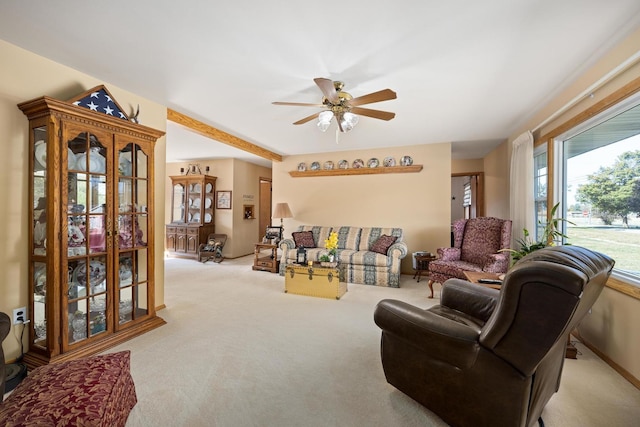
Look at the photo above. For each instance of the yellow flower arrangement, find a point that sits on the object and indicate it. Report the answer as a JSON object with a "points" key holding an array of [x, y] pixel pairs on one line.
{"points": [[331, 244]]}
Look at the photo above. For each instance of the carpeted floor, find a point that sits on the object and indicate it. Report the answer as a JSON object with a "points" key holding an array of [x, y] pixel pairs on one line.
{"points": [[237, 351]]}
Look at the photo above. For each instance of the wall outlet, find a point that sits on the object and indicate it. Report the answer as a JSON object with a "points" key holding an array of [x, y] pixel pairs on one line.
{"points": [[19, 315]]}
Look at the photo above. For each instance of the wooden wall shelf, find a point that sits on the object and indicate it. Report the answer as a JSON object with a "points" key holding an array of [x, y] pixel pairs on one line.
{"points": [[357, 171]]}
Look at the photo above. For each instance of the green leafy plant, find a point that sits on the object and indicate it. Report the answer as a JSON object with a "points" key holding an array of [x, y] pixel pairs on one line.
{"points": [[550, 233]]}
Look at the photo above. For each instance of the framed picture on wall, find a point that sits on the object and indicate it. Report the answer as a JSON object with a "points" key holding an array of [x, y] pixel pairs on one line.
{"points": [[223, 199]]}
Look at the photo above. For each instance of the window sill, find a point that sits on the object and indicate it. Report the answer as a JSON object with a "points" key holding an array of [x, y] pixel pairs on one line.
{"points": [[624, 287]]}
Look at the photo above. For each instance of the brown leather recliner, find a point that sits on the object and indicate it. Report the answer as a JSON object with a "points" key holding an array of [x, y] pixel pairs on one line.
{"points": [[492, 358]]}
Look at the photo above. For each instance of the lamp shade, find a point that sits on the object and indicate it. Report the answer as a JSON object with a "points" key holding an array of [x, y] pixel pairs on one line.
{"points": [[282, 211]]}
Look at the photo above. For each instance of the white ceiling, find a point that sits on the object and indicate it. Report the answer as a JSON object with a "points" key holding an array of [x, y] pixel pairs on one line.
{"points": [[466, 72]]}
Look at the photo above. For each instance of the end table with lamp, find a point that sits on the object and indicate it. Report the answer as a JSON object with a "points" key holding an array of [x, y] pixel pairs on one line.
{"points": [[422, 263], [282, 211]]}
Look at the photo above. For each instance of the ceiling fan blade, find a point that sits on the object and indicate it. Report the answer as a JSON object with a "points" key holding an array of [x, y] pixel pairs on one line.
{"points": [[307, 119], [328, 89], [376, 114], [299, 104], [381, 95]]}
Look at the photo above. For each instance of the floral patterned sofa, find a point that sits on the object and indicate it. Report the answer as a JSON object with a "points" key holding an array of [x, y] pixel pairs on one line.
{"points": [[372, 254]]}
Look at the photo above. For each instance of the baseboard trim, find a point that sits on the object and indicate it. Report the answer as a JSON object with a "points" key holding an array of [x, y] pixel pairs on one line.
{"points": [[619, 369], [161, 307]]}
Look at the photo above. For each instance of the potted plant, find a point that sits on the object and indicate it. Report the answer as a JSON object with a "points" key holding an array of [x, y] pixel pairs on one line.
{"points": [[550, 233], [330, 244]]}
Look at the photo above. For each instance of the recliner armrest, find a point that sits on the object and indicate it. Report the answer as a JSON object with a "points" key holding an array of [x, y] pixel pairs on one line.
{"points": [[473, 300], [497, 263], [443, 339]]}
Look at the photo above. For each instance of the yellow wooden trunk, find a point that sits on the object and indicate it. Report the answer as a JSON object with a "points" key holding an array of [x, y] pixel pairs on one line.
{"points": [[315, 281]]}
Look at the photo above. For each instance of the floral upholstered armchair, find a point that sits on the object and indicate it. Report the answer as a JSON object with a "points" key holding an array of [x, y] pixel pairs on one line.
{"points": [[477, 245]]}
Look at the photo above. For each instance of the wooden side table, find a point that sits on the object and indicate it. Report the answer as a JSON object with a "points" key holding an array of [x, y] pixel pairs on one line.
{"points": [[477, 276], [267, 260], [422, 264]]}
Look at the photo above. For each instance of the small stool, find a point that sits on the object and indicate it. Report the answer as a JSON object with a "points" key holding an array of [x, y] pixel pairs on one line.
{"points": [[422, 264]]}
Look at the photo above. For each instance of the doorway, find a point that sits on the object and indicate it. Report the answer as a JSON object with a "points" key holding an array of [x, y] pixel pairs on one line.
{"points": [[265, 208], [467, 195]]}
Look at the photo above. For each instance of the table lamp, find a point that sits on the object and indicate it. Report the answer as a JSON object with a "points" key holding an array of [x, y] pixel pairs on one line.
{"points": [[282, 211]]}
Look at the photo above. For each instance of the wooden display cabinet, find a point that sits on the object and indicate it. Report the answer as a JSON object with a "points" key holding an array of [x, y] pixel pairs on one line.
{"points": [[91, 254], [192, 214]]}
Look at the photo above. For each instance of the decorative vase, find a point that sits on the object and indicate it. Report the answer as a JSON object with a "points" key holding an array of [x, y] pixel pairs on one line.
{"points": [[79, 326], [332, 257]]}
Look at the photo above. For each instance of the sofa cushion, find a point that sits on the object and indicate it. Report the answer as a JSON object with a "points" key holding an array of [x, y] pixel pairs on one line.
{"points": [[320, 233], [370, 258], [383, 244], [345, 255], [370, 234], [348, 237], [304, 239], [94, 391]]}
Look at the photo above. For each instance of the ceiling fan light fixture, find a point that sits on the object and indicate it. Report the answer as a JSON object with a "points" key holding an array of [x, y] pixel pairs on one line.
{"points": [[349, 120], [324, 120]]}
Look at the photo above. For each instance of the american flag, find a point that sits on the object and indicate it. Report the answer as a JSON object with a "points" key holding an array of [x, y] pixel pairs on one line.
{"points": [[101, 102]]}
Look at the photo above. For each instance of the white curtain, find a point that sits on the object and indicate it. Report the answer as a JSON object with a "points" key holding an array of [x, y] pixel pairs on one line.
{"points": [[521, 179]]}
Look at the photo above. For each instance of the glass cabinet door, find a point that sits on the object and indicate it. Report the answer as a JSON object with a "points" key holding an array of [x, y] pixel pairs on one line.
{"points": [[39, 237], [178, 211], [86, 247], [133, 234], [195, 203], [209, 190]]}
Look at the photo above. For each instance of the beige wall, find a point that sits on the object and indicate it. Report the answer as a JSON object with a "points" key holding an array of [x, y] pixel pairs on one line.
{"points": [[467, 165], [613, 327], [419, 203], [496, 179], [25, 76], [243, 180]]}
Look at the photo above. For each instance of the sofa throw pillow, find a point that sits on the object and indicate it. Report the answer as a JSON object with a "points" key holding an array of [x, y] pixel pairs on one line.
{"points": [[383, 243], [304, 239]]}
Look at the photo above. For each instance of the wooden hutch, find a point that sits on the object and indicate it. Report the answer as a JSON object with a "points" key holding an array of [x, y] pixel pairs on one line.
{"points": [[192, 214]]}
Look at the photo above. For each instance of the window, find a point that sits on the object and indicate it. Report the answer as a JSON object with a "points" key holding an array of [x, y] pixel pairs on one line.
{"points": [[599, 189], [540, 182]]}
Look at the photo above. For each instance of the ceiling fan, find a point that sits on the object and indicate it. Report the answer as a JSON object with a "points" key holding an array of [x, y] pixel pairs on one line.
{"points": [[343, 106]]}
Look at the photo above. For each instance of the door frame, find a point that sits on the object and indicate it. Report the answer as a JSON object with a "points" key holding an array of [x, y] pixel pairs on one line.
{"points": [[264, 212], [477, 202]]}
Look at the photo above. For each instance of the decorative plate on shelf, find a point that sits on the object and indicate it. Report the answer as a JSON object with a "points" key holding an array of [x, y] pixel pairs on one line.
{"points": [[207, 217], [358, 163], [196, 203], [343, 164], [389, 161], [196, 217], [125, 273], [97, 273], [373, 163], [41, 153], [315, 166], [208, 187], [302, 167], [124, 163], [207, 203], [406, 161], [328, 165]]}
